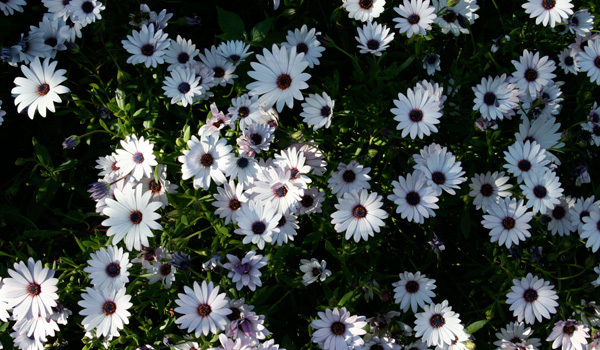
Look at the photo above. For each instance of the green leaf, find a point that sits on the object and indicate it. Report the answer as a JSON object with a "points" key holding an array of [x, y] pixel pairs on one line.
{"points": [[260, 30], [475, 326], [345, 298], [67, 165], [230, 23], [42, 152]]}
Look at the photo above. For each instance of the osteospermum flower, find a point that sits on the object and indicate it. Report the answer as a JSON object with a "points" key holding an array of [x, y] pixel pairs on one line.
{"points": [[364, 10], [279, 76], [431, 62], [235, 51], [508, 221], [560, 220], [105, 310], [581, 22], [416, 113], [496, 98], [182, 86], [516, 333], [416, 17], [246, 272], [488, 188], [524, 157], [546, 104], [338, 330], [582, 209], [275, 187], [589, 60], [206, 159], [569, 335], [568, 61], [109, 268], [204, 309], [415, 199], [318, 110], [147, 46], [229, 201], [85, 11], [591, 229], [359, 214], [348, 178], [256, 222], [455, 18], [374, 38], [542, 130], [542, 189], [285, 229], [413, 290], [41, 87], [548, 11], [532, 73], [161, 187], [131, 217], [305, 42], [222, 68], [30, 290], [442, 171], [438, 325], [179, 53], [532, 298], [136, 157], [313, 270]]}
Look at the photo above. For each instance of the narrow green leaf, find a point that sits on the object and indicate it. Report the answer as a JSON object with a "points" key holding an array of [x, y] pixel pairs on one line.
{"points": [[475, 326]]}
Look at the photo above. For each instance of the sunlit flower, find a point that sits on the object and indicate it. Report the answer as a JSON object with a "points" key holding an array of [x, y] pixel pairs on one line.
{"points": [[338, 330], [246, 109], [349, 177], [548, 11], [182, 86], [179, 53], [255, 139], [438, 325], [523, 158], [136, 157], [244, 168], [416, 113], [305, 42], [488, 188], [313, 271], [222, 68], [229, 201], [532, 72], [515, 333], [532, 298], [54, 32], [246, 272], [569, 335], [456, 17], [374, 38], [364, 10], [359, 214], [235, 51], [442, 171], [542, 189], [256, 221], [589, 60], [310, 202], [581, 22], [204, 309], [105, 310], [544, 131], [206, 159], [413, 291], [508, 221], [285, 229], [318, 110], [85, 11], [147, 46], [161, 187], [416, 17], [109, 268], [415, 199], [568, 61], [496, 98]]}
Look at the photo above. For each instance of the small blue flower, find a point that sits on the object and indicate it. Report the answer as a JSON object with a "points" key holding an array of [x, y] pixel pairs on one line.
{"points": [[71, 142]]}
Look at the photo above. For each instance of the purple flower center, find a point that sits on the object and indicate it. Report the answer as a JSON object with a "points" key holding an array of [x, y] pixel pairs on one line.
{"points": [[113, 269], [109, 308], [414, 19], [34, 289], [437, 321]]}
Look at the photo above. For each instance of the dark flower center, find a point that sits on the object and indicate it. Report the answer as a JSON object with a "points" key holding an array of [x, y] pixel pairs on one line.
{"points": [[325, 111], [302, 47], [242, 162], [349, 176], [450, 16], [218, 123], [373, 44], [280, 191], [412, 287], [64, 2], [183, 57], [256, 138], [376, 347], [219, 72], [138, 158], [413, 198], [486, 190], [568, 329], [206, 160], [135, 217], [165, 269], [51, 42], [34, 289], [583, 214], [284, 81], [338, 328], [234, 58], [530, 74], [508, 223], [235, 314], [282, 221], [437, 321], [528, 138], [489, 98], [204, 310], [530, 295], [114, 166], [414, 19], [516, 340], [184, 87], [524, 165], [87, 7], [294, 174], [569, 61], [148, 50], [234, 204], [359, 212], [258, 227], [365, 4], [316, 272], [597, 62], [113, 269], [307, 201], [431, 59], [540, 191], [416, 115], [154, 186], [43, 89], [438, 178], [109, 308], [559, 212], [548, 4], [243, 112], [596, 130]]}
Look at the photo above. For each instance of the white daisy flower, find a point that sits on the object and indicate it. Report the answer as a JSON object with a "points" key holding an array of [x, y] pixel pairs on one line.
{"points": [[54, 32], [279, 76], [206, 77], [508, 221], [364, 10], [544, 131], [581, 209], [293, 161], [542, 190], [204, 309], [108, 268], [41, 87], [58, 8], [532, 298], [348, 178], [488, 188], [415, 199], [162, 269], [215, 121], [285, 229], [74, 30], [568, 61], [310, 202], [560, 220], [581, 22], [313, 271], [416, 113], [548, 11], [206, 159], [160, 20], [337, 329], [235, 51], [179, 53], [249, 328], [305, 42], [256, 138], [413, 290], [28, 49], [318, 110], [246, 272], [514, 333], [105, 310], [136, 157], [246, 109], [416, 17], [161, 187], [147, 46], [222, 68], [256, 222], [442, 171], [438, 325], [229, 201], [594, 131], [30, 291], [275, 186], [496, 98], [244, 168], [454, 18], [431, 62], [182, 86], [374, 38], [591, 229], [569, 335], [314, 157], [532, 73], [359, 214], [85, 11], [523, 158], [546, 104], [131, 217], [37, 328], [589, 60]]}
